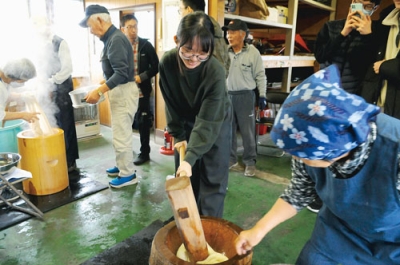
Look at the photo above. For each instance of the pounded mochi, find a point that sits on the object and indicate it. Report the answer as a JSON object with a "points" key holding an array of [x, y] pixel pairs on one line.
{"points": [[213, 257]]}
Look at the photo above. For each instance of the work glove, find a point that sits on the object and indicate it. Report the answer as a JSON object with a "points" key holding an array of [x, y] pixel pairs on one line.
{"points": [[262, 103]]}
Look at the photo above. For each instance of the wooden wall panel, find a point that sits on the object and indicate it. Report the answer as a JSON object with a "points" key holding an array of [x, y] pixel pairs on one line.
{"points": [[216, 10]]}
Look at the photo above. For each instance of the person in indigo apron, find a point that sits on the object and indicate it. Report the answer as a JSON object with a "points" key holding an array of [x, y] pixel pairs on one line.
{"points": [[346, 152]]}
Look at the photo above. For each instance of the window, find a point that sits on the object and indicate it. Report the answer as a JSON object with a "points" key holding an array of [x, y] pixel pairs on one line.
{"points": [[67, 15], [16, 39], [14, 28]]}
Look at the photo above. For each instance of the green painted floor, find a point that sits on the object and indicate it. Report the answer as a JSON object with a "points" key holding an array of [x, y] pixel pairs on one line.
{"points": [[80, 230]]}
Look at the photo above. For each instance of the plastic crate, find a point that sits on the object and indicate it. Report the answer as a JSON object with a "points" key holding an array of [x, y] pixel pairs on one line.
{"points": [[8, 135]]}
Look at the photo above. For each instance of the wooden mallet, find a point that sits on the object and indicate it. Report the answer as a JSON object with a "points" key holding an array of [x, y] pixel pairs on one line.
{"points": [[186, 214]]}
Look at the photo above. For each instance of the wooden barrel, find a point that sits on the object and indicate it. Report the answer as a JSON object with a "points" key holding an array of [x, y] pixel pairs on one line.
{"points": [[220, 235], [45, 158]]}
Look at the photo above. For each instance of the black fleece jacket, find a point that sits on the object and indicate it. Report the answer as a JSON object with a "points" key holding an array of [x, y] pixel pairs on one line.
{"points": [[352, 54]]}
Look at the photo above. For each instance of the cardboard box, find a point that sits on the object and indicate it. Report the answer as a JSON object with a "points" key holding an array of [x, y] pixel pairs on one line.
{"points": [[282, 14], [273, 14]]}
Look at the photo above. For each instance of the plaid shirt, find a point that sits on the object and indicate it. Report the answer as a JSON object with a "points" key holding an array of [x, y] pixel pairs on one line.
{"points": [[135, 47], [301, 191], [135, 55]]}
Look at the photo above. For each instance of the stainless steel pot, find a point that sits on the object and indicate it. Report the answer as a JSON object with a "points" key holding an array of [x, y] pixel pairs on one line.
{"points": [[87, 113], [78, 95], [8, 160]]}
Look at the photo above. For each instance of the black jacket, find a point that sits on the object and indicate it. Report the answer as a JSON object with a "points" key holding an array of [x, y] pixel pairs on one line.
{"points": [[147, 65], [389, 71], [352, 54]]}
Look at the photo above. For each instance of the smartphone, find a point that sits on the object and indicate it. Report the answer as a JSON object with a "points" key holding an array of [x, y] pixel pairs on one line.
{"points": [[356, 7]]}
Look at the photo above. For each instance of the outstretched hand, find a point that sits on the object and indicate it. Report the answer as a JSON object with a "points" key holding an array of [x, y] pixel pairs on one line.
{"points": [[180, 144], [30, 116], [184, 169], [246, 240]]}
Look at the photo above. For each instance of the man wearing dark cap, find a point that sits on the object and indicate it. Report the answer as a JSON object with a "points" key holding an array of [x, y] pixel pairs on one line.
{"points": [[246, 74], [123, 93]]}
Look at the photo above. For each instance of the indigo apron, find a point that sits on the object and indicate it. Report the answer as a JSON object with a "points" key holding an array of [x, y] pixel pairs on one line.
{"points": [[359, 222]]}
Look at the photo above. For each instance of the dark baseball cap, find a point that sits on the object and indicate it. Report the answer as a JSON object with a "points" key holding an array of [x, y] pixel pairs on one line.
{"points": [[236, 24], [91, 10]]}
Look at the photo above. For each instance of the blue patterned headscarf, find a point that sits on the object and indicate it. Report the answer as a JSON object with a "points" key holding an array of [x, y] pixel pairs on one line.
{"points": [[321, 121]]}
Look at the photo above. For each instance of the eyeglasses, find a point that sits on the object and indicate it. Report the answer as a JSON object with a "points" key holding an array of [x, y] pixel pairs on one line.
{"points": [[367, 7], [130, 27], [189, 56]]}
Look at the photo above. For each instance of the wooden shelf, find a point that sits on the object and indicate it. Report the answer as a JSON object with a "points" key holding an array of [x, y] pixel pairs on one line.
{"points": [[254, 21], [289, 60], [278, 61], [302, 61], [317, 5], [303, 3]]}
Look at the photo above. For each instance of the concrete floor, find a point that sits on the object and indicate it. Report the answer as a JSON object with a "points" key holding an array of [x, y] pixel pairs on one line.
{"points": [[80, 230]]}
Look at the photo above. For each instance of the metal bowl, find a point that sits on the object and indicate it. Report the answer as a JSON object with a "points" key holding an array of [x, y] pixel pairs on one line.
{"points": [[78, 95], [8, 160]]}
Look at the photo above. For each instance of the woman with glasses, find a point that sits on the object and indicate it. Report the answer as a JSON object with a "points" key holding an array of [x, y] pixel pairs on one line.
{"points": [[198, 111]]}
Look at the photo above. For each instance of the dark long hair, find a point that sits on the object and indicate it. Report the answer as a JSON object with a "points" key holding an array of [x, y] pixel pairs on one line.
{"points": [[196, 27]]}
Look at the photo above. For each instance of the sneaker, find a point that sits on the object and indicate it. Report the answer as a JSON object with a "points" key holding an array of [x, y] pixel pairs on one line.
{"points": [[141, 159], [120, 182], [10, 195], [235, 166], [250, 171], [232, 165], [315, 205], [114, 171]]}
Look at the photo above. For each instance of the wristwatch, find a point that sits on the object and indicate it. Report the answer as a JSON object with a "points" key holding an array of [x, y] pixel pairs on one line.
{"points": [[99, 92]]}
